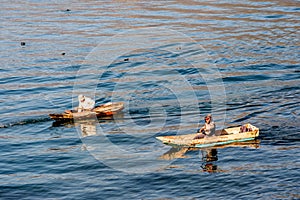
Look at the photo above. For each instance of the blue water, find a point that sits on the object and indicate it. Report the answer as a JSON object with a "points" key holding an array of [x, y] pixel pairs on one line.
{"points": [[171, 63]]}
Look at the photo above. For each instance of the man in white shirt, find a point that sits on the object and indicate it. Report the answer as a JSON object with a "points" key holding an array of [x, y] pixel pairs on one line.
{"points": [[209, 128], [85, 103]]}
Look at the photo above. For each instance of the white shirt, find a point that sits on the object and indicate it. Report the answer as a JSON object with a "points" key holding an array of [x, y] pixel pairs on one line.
{"points": [[210, 129], [87, 104]]}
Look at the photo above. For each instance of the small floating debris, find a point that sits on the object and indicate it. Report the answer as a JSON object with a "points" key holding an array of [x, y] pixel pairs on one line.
{"points": [[68, 10], [23, 43], [3, 126], [63, 53], [126, 59]]}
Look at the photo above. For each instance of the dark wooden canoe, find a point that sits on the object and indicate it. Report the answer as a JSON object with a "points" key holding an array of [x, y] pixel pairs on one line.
{"points": [[104, 110]]}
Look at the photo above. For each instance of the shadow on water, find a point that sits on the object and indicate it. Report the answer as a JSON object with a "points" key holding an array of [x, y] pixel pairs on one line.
{"points": [[209, 156]]}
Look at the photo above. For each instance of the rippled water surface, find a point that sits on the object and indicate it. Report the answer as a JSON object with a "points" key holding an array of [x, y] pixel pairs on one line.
{"points": [[171, 63]]}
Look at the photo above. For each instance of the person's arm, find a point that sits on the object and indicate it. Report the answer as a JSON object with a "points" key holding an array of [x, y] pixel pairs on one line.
{"points": [[201, 129], [80, 107]]}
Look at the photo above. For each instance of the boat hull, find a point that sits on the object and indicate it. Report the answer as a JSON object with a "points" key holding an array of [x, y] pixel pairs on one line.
{"points": [[104, 110], [228, 136]]}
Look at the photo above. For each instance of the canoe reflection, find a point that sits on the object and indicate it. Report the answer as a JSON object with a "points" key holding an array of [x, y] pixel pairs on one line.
{"points": [[88, 127], [209, 155]]}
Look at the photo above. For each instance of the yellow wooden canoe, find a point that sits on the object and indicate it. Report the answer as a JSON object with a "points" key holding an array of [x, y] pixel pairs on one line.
{"points": [[225, 136]]}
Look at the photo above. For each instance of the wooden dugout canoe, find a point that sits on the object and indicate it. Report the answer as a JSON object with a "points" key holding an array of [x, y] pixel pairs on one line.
{"points": [[227, 136], [104, 110]]}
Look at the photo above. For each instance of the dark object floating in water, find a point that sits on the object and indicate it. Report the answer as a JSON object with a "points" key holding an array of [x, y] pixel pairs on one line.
{"points": [[23, 43], [68, 10], [63, 53], [126, 59]]}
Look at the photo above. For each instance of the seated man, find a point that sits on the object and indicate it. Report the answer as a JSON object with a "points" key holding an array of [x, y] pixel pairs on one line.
{"points": [[208, 129], [85, 103]]}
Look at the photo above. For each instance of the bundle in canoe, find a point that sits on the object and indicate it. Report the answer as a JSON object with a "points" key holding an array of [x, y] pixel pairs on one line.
{"points": [[227, 136], [104, 110]]}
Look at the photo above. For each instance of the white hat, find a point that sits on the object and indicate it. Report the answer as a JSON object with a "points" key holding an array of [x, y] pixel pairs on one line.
{"points": [[80, 97]]}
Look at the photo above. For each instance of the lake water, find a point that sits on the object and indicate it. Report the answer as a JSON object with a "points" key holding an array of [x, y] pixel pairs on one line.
{"points": [[171, 63]]}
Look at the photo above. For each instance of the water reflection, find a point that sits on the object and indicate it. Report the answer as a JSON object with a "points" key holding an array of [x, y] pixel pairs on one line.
{"points": [[88, 127], [209, 156]]}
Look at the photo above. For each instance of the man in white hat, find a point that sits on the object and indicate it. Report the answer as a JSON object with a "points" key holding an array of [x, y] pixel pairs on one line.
{"points": [[209, 128], [85, 103]]}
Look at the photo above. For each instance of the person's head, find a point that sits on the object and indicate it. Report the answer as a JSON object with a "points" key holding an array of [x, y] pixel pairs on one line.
{"points": [[81, 98], [207, 118]]}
